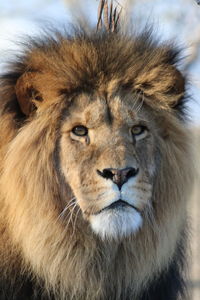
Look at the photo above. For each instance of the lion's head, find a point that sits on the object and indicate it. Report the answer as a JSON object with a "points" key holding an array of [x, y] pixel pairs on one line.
{"points": [[95, 155], [108, 157]]}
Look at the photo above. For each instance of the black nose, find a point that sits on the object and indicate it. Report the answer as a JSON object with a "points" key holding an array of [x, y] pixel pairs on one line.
{"points": [[118, 176]]}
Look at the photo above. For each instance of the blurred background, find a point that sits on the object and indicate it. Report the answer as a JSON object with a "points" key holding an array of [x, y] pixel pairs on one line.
{"points": [[178, 20]]}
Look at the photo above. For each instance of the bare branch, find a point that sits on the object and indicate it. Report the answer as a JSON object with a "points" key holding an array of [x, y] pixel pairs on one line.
{"points": [[100, 11], [117, 20], [111, 16], [106, 18], [111, 13]]}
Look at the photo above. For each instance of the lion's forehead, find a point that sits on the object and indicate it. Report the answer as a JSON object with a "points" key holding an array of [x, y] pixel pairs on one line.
{"points": [[94, 111]]}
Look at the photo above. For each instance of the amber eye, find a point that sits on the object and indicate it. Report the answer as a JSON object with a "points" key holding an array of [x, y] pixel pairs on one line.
{"points": [[80, 130], [138, 130]]}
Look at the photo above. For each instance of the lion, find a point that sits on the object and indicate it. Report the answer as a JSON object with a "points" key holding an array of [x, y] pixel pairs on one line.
{"points": [[95, 169]]}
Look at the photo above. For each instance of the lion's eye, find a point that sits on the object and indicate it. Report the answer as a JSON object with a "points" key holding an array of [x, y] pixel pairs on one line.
{"points": [[138, 130], [80, 130]]}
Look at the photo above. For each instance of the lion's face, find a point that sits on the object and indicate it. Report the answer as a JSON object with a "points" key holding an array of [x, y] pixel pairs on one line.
{"points": [[108, 159]]}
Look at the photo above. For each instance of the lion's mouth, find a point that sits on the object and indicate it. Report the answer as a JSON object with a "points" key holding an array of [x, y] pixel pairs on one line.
{"points": [[117, 205]]}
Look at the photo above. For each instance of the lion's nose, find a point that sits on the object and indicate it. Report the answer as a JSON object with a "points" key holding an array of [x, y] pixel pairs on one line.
{"points": [[118, 176]]}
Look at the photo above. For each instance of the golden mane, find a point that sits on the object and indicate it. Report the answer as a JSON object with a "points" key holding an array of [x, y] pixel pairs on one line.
{"points": [[38, 253]]}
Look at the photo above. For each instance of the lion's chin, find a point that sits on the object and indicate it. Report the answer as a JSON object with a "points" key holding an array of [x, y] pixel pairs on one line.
{"points": [[116, 223]]}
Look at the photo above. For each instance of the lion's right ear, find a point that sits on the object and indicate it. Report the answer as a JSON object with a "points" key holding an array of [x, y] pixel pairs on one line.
{"points": [[27, 92]]}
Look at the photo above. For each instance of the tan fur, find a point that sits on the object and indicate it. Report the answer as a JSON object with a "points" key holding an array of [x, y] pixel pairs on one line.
{"points": [[35, 188]]}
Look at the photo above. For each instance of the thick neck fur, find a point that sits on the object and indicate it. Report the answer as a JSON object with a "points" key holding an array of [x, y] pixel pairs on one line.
{"points": [[100, 273]]}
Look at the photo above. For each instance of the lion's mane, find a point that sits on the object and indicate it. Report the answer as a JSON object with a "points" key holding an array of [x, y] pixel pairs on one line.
{"points": [[39, 257]]}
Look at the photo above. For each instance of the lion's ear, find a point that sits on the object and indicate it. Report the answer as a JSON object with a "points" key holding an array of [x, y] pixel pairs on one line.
{"points": [[163, 83], [27, 92]]}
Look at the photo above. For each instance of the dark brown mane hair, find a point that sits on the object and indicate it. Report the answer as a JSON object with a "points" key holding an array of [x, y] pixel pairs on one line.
{"points": [[135, 64], [34, 90]]}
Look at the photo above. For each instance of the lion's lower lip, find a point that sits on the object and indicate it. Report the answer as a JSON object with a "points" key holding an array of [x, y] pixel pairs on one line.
{"points": [[116, 205]]}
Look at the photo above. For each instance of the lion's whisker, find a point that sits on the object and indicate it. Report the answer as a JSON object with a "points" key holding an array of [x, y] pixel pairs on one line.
{"points": [[71, 215], [140, 104], [136, 100], [75, 220], [71, 200], [70, 204]]}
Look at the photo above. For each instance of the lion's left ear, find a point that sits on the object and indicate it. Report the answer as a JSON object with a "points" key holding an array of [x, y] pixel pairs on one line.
{"points": [[163, 84], [34, 89], [26, 92]]}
